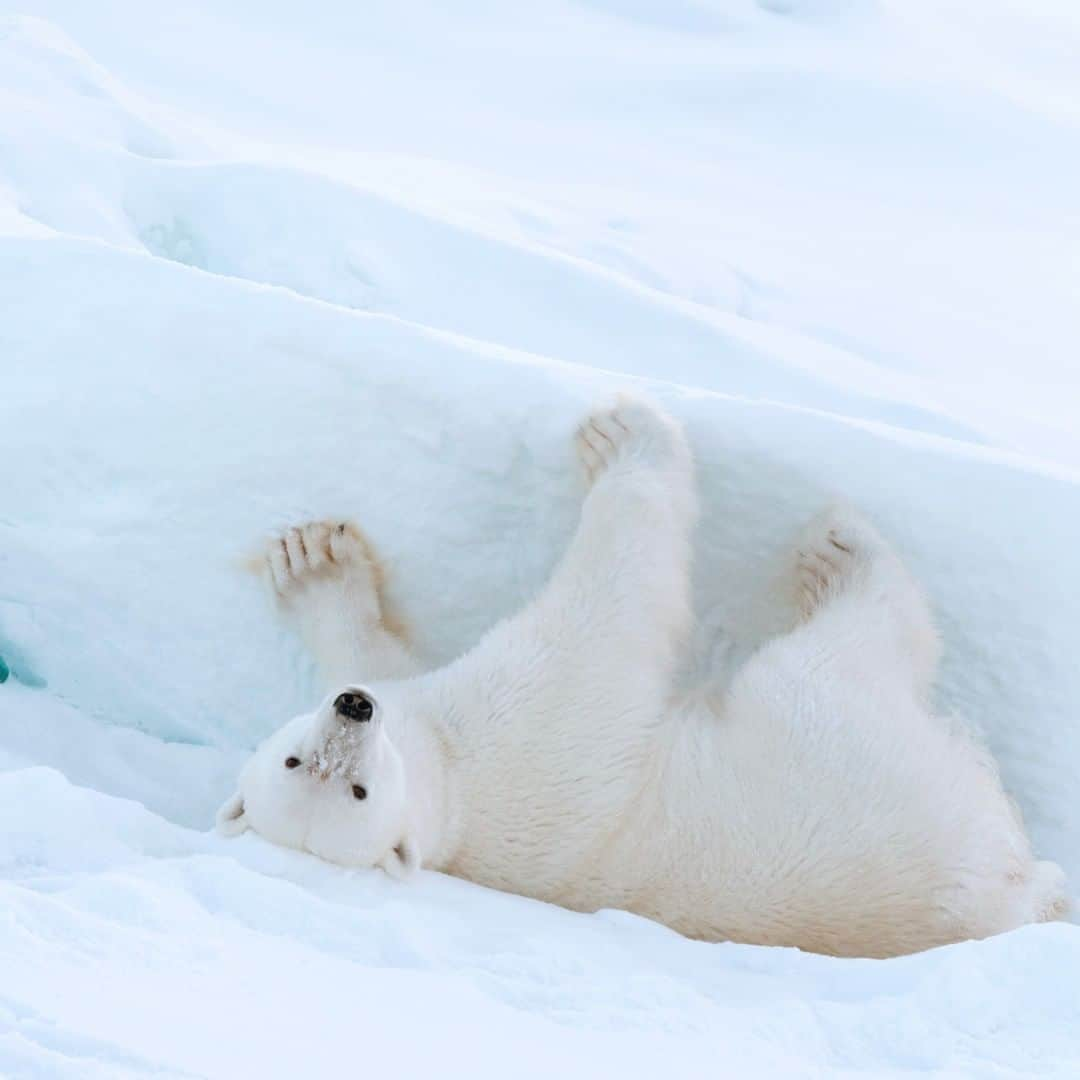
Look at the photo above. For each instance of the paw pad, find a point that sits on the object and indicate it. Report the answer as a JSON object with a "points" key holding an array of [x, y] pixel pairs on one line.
{"points": [[314, 550], [630, 429]]}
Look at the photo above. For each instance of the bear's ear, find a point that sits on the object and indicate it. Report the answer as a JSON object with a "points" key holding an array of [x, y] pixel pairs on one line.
{"points": [[402, 860], [230, 818]]}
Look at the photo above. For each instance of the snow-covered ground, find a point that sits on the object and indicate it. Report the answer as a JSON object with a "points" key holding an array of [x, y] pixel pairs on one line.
{"points": [[261, 261]]}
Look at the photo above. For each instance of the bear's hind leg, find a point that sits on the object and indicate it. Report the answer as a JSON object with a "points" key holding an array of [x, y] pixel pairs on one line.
{"points": [[327, 577], [847, 578]]}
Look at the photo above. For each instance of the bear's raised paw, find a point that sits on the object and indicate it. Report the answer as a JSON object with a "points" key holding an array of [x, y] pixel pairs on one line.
{"points": [[833, 548], [318, 551], [632, 433]]}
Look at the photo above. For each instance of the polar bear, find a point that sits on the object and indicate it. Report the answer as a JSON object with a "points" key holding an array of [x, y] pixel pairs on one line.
{"points": [[814, 800]]}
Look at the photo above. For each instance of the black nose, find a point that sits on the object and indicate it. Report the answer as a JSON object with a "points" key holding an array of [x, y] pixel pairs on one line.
{"points": [[354, 707]]}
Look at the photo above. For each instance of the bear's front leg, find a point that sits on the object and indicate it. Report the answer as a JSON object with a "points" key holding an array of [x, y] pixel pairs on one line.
{"points": [[630, 558], [560, 715], [583, 673], [327, 577]]}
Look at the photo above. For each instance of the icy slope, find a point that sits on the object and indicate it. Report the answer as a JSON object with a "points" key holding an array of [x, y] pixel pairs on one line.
{"points": [[204, 336], [358, 249], [892, 178]]}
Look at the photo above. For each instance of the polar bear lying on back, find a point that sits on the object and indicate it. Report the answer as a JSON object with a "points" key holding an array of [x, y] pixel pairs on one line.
{"points": [[816, 801]]}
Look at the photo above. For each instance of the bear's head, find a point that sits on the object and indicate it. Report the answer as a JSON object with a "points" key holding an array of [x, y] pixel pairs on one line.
{"points": [[332, 783]]}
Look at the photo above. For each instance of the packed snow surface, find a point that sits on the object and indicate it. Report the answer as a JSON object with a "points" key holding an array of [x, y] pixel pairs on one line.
{"points": [[262, 262]]}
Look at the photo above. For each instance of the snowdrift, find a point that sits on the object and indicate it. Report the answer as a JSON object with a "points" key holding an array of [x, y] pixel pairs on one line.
{"points": [[197, 348]]}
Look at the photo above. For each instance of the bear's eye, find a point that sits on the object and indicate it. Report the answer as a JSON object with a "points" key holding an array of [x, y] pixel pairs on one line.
{"points": [[359, 792], [291, 762]]}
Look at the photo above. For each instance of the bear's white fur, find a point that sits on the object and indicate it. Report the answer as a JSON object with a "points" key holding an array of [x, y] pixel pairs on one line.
{"points": [[815, 801]]}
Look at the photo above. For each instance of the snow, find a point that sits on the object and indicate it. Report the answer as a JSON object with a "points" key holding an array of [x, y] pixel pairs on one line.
{"points": [[259, 264], [146, 952]]}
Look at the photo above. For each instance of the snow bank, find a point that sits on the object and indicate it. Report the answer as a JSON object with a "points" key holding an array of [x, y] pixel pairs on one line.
{"points": [[159, 949], [205, 336]]}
